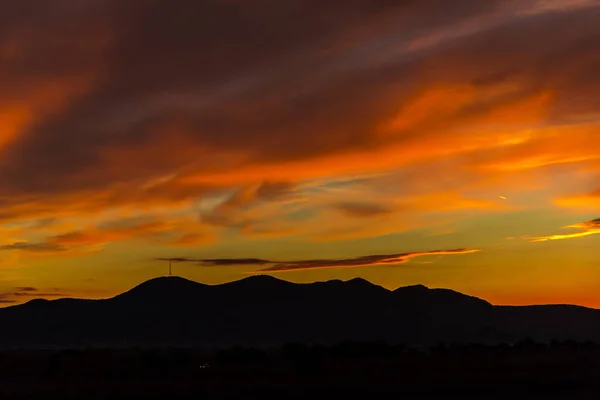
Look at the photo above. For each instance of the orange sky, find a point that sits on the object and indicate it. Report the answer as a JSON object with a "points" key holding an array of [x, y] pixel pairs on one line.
{"points": [[400, 141]]}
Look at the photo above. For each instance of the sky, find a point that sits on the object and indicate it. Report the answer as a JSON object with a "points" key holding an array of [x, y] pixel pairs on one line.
{"points": [[451, 144]]}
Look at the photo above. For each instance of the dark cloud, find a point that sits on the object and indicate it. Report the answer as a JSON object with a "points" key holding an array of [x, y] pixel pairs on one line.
{"points": [[125, 92], [127, 223], [364, 261], [44, 223], [234, 211], [362, 209], [219, 261], [34, 247], [279, 266], [177, 259], [233, 261], [201, 45], [41, 294], [26, 289], [275, 190], [223, 74]]}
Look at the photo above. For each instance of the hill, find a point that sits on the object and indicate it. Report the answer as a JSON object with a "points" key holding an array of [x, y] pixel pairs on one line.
{"points": [[262, 310]]}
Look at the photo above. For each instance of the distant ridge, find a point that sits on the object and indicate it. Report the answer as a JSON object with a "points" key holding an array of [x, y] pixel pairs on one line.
{"points": [[162, 285], [257, 281], [263, 310]]}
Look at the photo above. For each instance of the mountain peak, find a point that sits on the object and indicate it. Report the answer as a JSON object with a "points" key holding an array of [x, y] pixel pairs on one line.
{"points": [[168, 281], [259, 280], [37, 302], [359, 282], [412, 289], [162, 287]]}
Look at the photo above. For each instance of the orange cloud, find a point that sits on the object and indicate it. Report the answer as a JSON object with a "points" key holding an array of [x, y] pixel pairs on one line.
{"points": [[366, 261], [120, 230], [590, 200], [34, 247], [488, 96], [193, 239], [586, 228], [301, 265], [162, 230], [547, 146]]}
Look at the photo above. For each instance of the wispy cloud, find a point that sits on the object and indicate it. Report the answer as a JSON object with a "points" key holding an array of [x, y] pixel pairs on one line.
{"points": [[176, 231], [363, 209], [119, 229], [34, 247], [364, 261], [26, 289], [21, 292], [547, 6], [589, 200], [218, 261], [192, 239], [308, 102], [41, 294], [585, 229], [285, 266]]}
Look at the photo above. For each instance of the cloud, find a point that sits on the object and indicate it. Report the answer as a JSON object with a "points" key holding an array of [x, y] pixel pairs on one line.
{"points": [[176, 259], [360, 209], [176, 232], [587, 200], [257, 211], [233, 261], [544, 6], [26, 289], [193, 239], [239, 209], [284, 266], [218, 261], [34, 247], [364, 261], [313, 93], [113, 230], [41, 294], [585, 229], [251, 102]]}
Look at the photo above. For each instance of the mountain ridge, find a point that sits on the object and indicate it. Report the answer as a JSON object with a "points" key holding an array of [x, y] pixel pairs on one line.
{"points": [[161, 279], [264, 310]]}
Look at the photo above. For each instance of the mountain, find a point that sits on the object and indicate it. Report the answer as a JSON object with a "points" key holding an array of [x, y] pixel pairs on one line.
{"points": [[262, 310]]}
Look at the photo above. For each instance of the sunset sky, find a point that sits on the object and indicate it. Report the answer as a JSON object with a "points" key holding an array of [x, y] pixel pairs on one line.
{"points": [[447, 143]]}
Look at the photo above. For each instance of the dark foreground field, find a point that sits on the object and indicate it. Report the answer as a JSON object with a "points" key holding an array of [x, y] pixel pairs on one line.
{"points": [[350, 370]]}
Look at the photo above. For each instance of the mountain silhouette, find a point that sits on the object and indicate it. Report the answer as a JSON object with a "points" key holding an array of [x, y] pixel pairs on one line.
{"points": [[262, 310]]}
